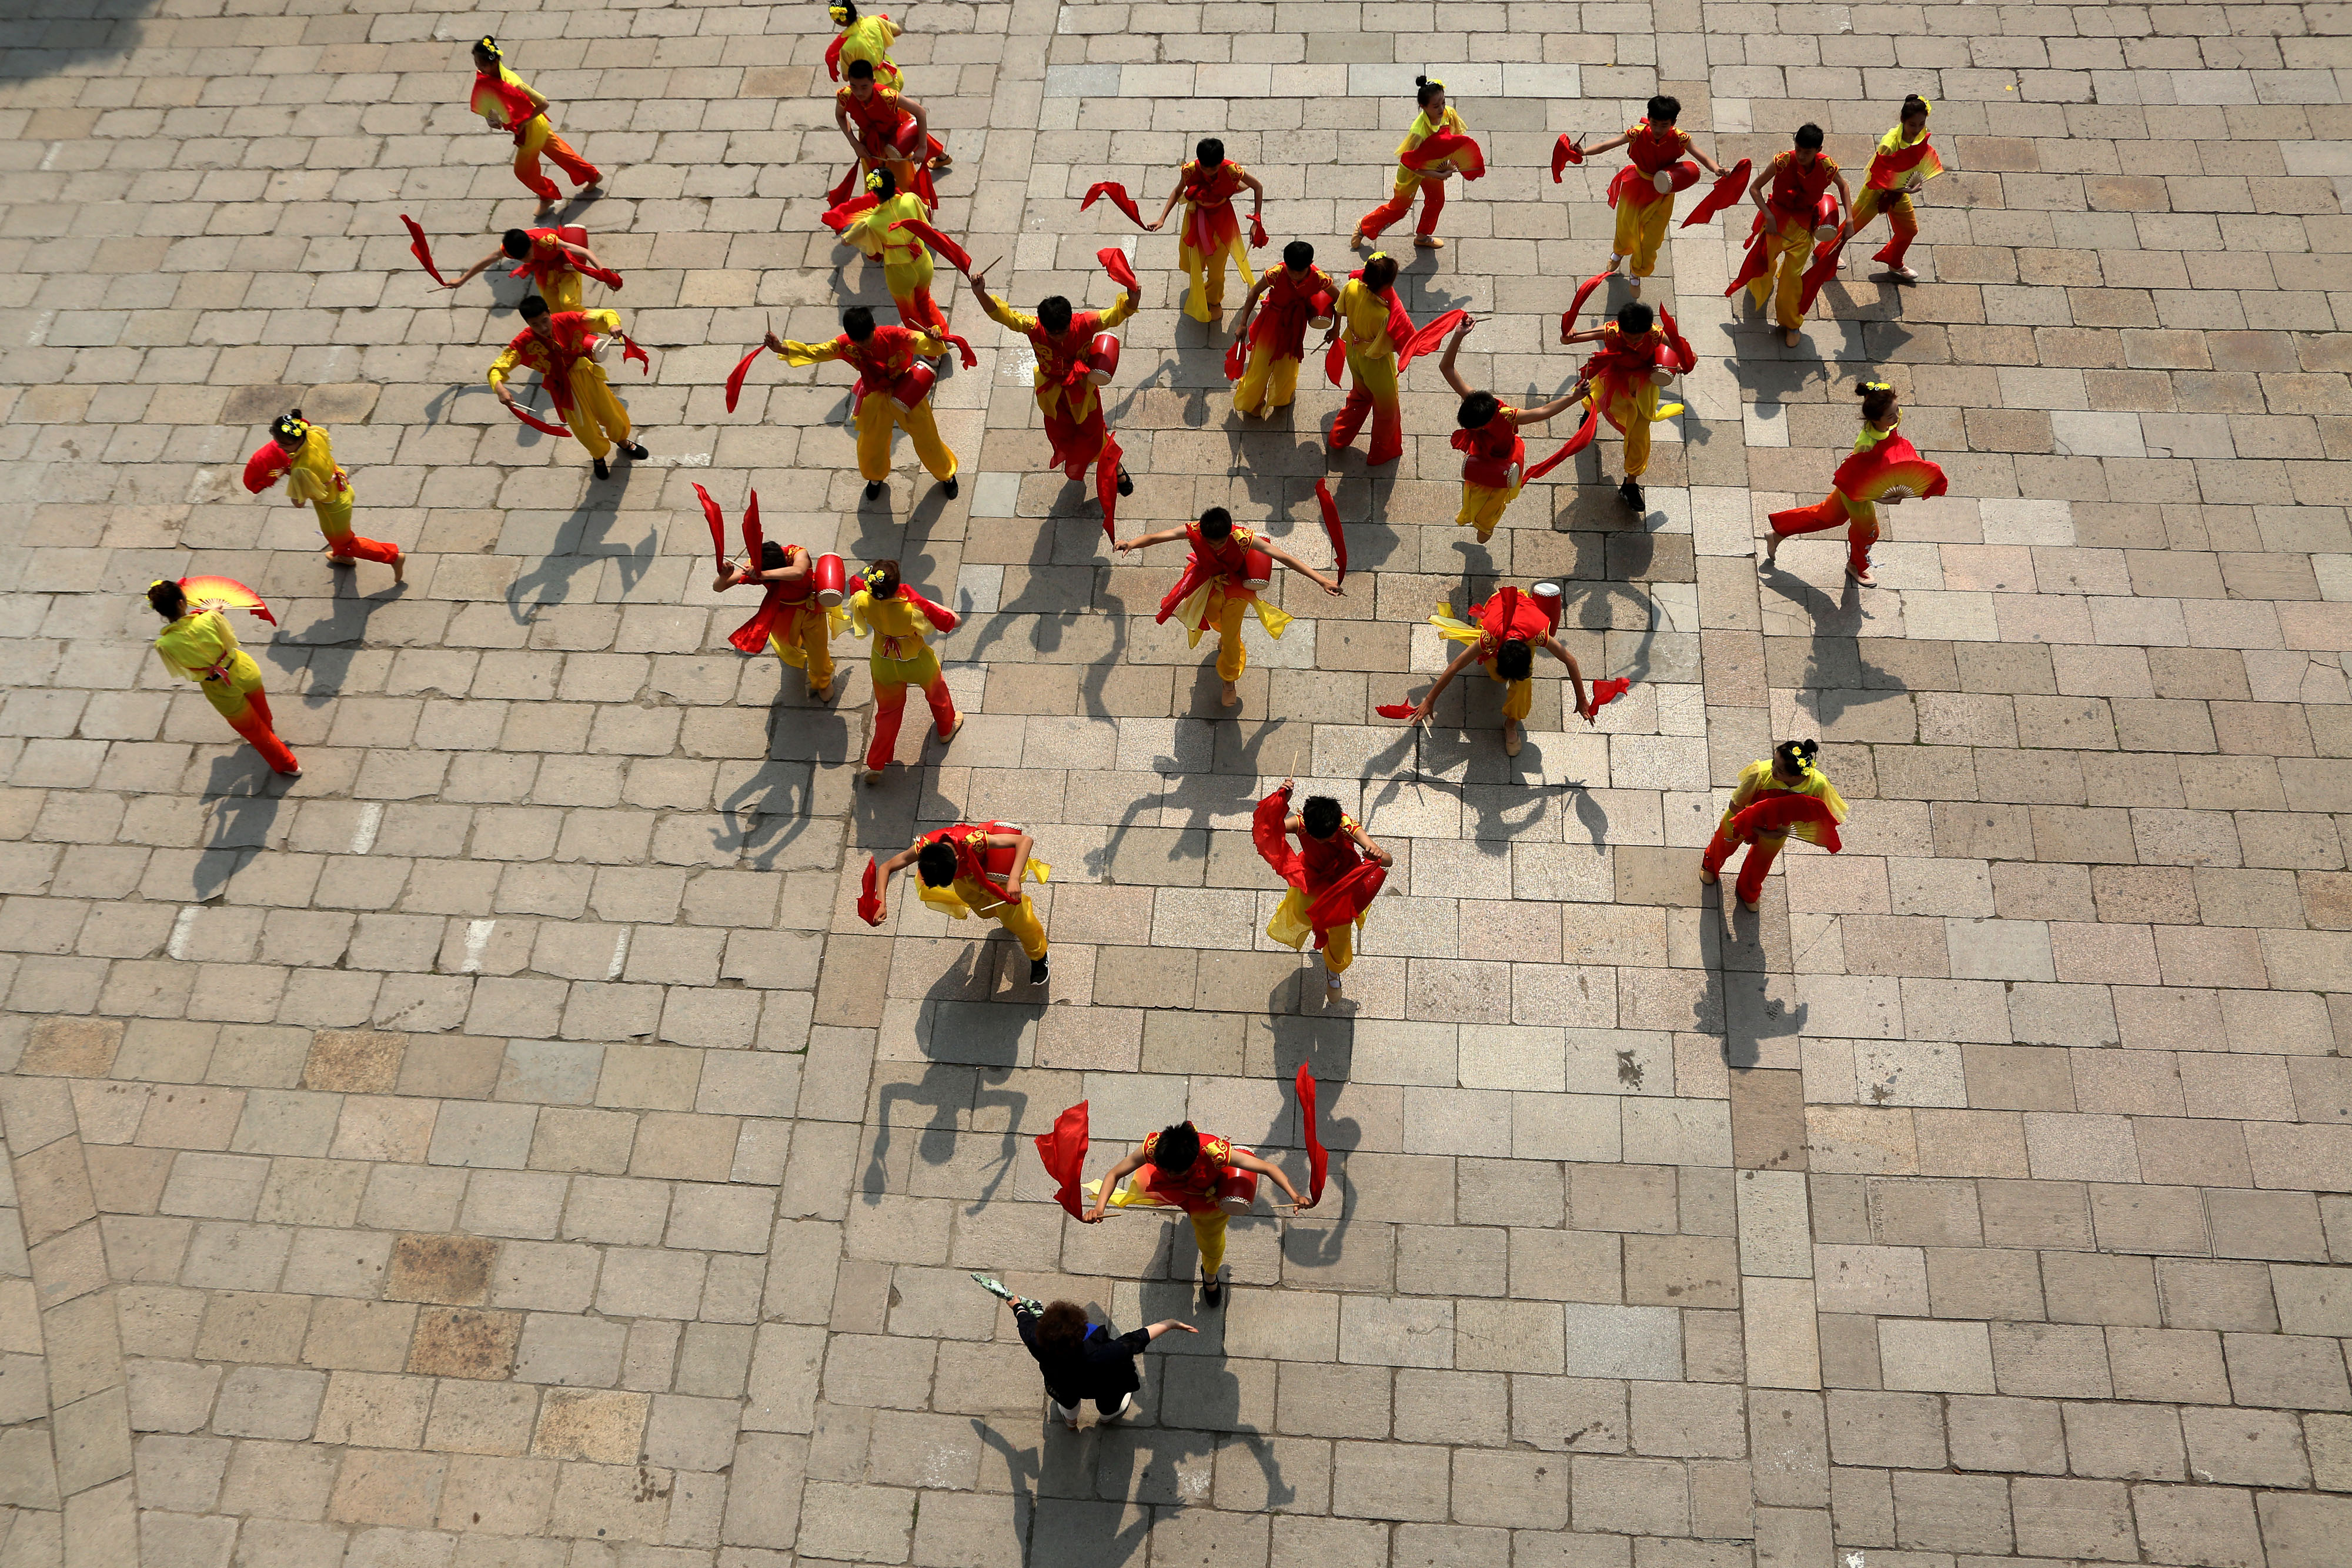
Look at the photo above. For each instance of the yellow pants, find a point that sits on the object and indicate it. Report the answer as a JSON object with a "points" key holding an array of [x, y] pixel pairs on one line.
{"points": [[1021, 920], [1787, 249], [909, 283], [1229, 610], [595, 416], [1641, 228], [1207, 294], [562, 291], [1483, 505], [1290, 928], [1268, 384], [1519, 697], [805, 642], [1208, 1229], [877, 416], [1637, 412]]}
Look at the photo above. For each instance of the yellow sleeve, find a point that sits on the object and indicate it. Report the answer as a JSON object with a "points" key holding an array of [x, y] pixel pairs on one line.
{"points": [[219, 626], [890, 31], [1119, 312], [513, 81], [1003, 315], [505, 365], [606, 321], [799, 354], [868, 234], [1891, 142], [1751, 779], [929, 345], [857, 606]]}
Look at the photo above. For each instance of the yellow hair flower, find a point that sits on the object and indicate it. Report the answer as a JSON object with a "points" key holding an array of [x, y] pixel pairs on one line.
{"points": [[874, 180], [840, 14], [490, 47]]}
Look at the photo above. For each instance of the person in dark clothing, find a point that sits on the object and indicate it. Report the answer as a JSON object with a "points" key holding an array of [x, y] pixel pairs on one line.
{"points": [[1083, 1360]]}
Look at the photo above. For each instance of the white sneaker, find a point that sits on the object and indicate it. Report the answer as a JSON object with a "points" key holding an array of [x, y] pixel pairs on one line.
{"points": [[1904, 273], [1125, 1408], [1637, 289], [1070, 1417]]}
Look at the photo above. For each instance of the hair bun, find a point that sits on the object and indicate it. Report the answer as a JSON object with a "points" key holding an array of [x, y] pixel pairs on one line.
{"points": [[1421, 82]]}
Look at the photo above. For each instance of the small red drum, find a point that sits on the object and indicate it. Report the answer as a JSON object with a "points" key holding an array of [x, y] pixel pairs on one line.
{"points": [[1679, 176], [1102, 360], [1257, 569], [1825, 233], [914, 386], [1666, 366], [831, 579], [1237, 1191], [1322, 306], [1547, 596]]}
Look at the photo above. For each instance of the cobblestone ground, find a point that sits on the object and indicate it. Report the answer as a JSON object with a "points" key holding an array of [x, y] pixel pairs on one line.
{"points": [[505, 1147]]}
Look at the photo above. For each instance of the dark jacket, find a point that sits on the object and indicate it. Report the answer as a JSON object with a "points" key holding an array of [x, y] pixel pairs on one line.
{"points": [[1102, 1368]]}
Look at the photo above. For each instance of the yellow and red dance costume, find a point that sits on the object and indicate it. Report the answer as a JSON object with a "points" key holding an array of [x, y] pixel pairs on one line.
{"points": [[866, 39], [987, 884], [1332, 882], [575, 382], [902, 657], [1758, 783], [1073, 411], [1884, 465], [1215, 592], [1211, 233], [551, 267], [1410, 176], [200, 647], [1194, 1191], [1622, 389], [1493, 467], [504, 99], [796, 629], [1784, 232], [1278, 338], [1898, 167], [1372, 328], [313, 475], [888, 134], [1507, 616], [1643, 210], [905, 259], [890, 394]]}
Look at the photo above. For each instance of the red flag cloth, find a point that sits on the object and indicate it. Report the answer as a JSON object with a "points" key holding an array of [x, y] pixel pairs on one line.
{"points": [[1266, 832], [1335, 360], [1869, 475], [1339, 902], [844, 186], [1754, 265], [1257, 233], [1576, 306], [941, 618], [869, 897], [1188, 582], [422, 251], [1318, 1159], [1114, 261], [1606, 692], [1680, 177], [1396, 710], [1440, 145], [752, 539], [230, 591], [1107, 485], [1063, 1150], [833, 58], [1729, 188], [718, 527], [1777, 813], [1427, 338], [1827, 258], [1237, 360], [1567, 449], [267, 465], [735, 378], [1119, 198], [752, 635], [1563, 154], [954, 255], [537, 424], [963, 347], [1684, 358], [1331, 526], [629, 350], [841, 214]]}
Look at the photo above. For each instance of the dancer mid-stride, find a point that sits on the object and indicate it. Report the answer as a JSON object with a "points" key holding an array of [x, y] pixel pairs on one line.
{"points": [[1182, 1168], [1774, 798], [197, 646], [512, 105], [1334, 876], [900, 620], [1884, 467]]}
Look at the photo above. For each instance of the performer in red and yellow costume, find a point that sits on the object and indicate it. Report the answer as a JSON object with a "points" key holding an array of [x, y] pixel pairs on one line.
{"points": [[1295, 295], [1371, 322], [1425, 170], [1216, 589], [1065, 378], [1885, 466], [1183, 1167], [1213, 231], [905, 259], [558, 345], [862, 39], [802, 634], [885, 130], [197, 646], [965, 871], [1794, 212], [893, 392], [1903, 163], [1638, 355], [1493, 453], [1334, 876], [301, 454], [1502, 636], [511, 104], [900, 622], [556, 257], [1773, 799], [1643, 191]]}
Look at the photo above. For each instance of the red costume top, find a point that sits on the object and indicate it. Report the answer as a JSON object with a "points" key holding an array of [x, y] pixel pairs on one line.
{"points": [[1337, 880], [1509, 616], [569, 341], [1285, 309], [1210, 223], [1654, 147], [1620, 370], [1797, 190], [1229, 555], [977, 862], [1063, 355], [877, 116], [882, 363], [1195, 1190], [547, 254], [1492, 451]]}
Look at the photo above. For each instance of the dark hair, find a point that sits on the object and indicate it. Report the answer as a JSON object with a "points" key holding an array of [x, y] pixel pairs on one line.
{"points": [[1478, 409], [1514, 660], [937, 863], [1798, 755], [882, 580], [1877, 400], [1062, 1328], [1913, 105], [1217, 523], [883, 183], [771, 556], [1319, 815], [1423, 88], [861, 70], [532, 308], [167, 598], [1809, 135], [515, 243], [1054, 313], [1665, 109], [857, 323], [1299, 253], [488, 47], [848, 5], [1178, 1147], [1635, 318], [1380, 274], [1210, 152]]}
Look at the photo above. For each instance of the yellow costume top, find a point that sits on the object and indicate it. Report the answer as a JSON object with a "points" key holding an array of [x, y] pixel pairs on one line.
{"points": [[870, 39], [899, 629], [1422, 131], [1365, 317], [1756, 781], [316, 476], [872, 233], [200, 646]]}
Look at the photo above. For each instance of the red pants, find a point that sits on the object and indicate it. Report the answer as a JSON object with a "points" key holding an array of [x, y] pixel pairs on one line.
{"points": [[1761, 853], [1432, 201], [257, 728], [1861, 532], [576, 169], [890, 707], [351, 546], [1388, 425]]}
